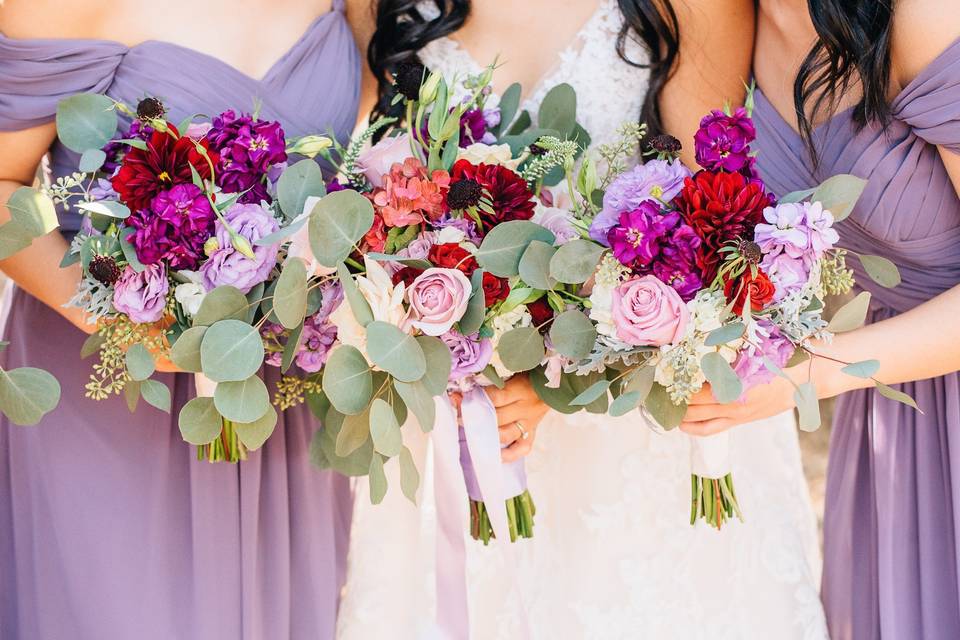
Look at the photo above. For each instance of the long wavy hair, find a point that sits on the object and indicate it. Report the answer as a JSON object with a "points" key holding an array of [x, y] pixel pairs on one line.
{"points": [[853, 51], [402, 31]]}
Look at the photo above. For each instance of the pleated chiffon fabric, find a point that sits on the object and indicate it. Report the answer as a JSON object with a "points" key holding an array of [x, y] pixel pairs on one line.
{"points": [[893, 482], [109, 526]]}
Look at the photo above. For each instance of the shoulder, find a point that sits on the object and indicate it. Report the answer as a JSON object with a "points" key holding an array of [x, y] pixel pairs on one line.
{"points": [[51, 18], [922, 30]]}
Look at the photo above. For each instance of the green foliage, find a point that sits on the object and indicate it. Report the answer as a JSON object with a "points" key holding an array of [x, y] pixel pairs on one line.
{"points": [[419, 401], [502, 248], [724, 383], [140, 363], [592, 394], [863, 369], [384, 429], [895, 395], [337, 224], [473, 317], [409, 476], [32, 211], [297, 183], [808, 407], [521, 349], [882, 271], [290, 294], [662, 409], [254, 434], [199, 421], [220, 304], [395, 351], [558, 111], [839, 194], [377, 479], [156, 394], [534, 267], [231, 351], [86, 121], [573, 334], [354, 433], [439, 363], [358, 304], [347, 381], [576, 261], [27, 394], [725, 334], [243, 400], [185, 352], [851, 315]]}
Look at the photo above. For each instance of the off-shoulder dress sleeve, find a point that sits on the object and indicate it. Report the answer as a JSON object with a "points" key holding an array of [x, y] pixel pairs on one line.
{"points": [[930, 104]]}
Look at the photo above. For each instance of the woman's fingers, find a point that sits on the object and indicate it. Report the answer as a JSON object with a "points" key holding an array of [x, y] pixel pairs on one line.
{"points": [[510, 433], [704, 396], [707, 427], [517, 450], [704, 412]]}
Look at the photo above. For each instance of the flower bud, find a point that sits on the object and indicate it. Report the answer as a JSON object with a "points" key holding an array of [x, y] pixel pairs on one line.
{"points": [[211, 246], [428, 90], [242, 245], [310, 146]]}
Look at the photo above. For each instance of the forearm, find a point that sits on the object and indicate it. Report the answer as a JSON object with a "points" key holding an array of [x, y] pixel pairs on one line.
{"points": [[918, 344], [36, 269]]}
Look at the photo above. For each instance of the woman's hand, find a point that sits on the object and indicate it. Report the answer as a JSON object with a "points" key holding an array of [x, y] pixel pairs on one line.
{"points": [[706, 417], [519, 412]]}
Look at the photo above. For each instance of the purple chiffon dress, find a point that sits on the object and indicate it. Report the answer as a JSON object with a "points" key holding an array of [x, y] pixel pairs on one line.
{"points": [[110, 529], [893, 483]]}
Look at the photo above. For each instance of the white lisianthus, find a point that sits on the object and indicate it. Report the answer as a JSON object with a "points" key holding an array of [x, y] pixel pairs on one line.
{"points": [[500, 324], [384, 297], [601, 310], [479, 153], [190, 294], [450, 235]]}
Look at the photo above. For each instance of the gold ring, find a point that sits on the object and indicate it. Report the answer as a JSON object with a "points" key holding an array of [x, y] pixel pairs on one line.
{"points": [[524, 434]]}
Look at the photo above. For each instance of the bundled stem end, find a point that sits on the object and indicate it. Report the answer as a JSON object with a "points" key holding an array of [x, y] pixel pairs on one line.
{"points": [[714, 500], [520, 513], [225, 448]]}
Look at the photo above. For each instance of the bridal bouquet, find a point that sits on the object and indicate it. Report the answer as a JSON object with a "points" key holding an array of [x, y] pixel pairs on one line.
{"points": [[461, 256], [707, 278], [182, 257]]}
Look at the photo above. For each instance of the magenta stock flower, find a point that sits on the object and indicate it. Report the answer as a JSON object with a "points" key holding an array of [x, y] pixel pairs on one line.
{"points": [[227, 266], [470, 354], [248, 147], [653, 180], [315, 342], [723, 141], [174, 228], [637, 239], [142, 296]]}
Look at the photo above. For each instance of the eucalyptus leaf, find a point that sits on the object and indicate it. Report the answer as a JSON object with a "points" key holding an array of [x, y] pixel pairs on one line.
{"points": [[592, 393], [297, 183], [242, 401], [131, 394], [86, 121], [417, 263], [640, 381], [129, 252], [473, 317], [851, 315], [409, 476], [283, 233], [724, 383], [13, 239], [27, 394], [490, 373], [318, 404], [881, 270], [291, 348], [725, 334], [384, 429], [863, 369], [439, 364], [254, 434], [796, 196], [91, 160], [139, 361], [502, 248], [808, 407], [558, 110], [576, 261], [222, 303], [290, 294], [625, 403], [895, 395], [324, 443], [107, 208], [419, 401], [347, 381], [534, 267], [395, 351], [91, 345], [521, 349], [839, 194], [559, 398], [662, 409], [185, 353], [199, 421], [377, 480], [573, 334], [338, 222], [509, 104], [156, 393], [358, 304], [231, 351], [33, 211], [354, 433]]}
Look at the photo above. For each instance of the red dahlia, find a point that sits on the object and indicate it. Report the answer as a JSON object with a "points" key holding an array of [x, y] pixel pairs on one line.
{"points": [[758, 287], [720, 207], [510, 197], [541, 311], [165, 162]]}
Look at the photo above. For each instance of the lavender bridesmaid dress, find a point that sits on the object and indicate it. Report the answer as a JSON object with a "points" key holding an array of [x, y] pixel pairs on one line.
{"points": [[893, 484], [110, 528]]}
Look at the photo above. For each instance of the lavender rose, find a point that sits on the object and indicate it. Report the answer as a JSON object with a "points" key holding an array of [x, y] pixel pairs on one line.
{"points": [[470, 354], [647, 312], [438, 298], [227, 266], [377, 160], [656, 179], [142, 296]]}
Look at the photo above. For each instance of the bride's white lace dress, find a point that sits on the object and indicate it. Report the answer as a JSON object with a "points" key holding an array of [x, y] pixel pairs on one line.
{"points": [[614, 555]]}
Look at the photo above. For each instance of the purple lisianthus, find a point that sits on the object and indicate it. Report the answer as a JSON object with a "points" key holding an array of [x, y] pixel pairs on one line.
{"points": [[248, 147], [637, 239], [142, 296], [770, 343], [470, 354], [174, 229], [723, 141], [227, 266], [468, 227], [654, 180], [315, 342]]}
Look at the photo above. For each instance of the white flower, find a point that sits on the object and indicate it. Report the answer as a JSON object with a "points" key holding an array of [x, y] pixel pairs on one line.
{"points": [[479, 153], [500, 324], [349, 331], [190, 295], [448, 235], [601, 309], [385, 298]]}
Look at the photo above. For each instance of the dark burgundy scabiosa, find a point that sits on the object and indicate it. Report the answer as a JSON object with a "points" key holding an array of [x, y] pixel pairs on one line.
{"points": [[408, 78], [104, 269], [720, 207], [164, 163], [174, 228], [464, 194], [150, 109], [510, 197], [723, 141], [639, 236], [666, 144], [248, 148]]}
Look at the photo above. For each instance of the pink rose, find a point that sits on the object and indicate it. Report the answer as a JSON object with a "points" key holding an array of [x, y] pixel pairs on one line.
{"points": [[438, 298], [377, 160], [647, 312]]}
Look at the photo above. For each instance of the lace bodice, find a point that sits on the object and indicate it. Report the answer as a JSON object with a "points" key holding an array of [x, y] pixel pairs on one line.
{"points": [[609, 90]]}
